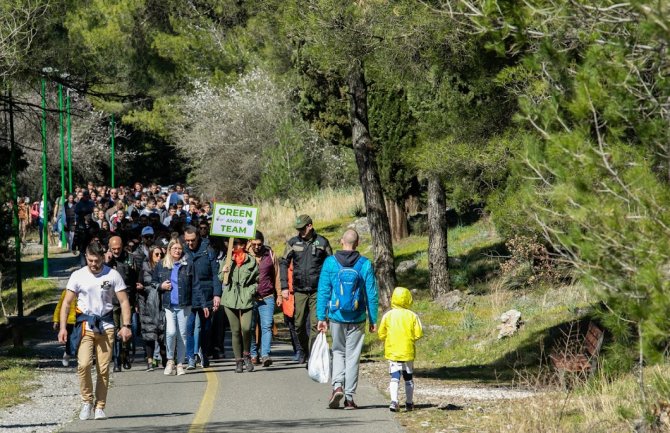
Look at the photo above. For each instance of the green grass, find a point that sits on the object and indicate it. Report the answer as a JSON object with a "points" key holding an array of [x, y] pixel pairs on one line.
{"points": [[463, 345], [36, 292], [15, 375]]}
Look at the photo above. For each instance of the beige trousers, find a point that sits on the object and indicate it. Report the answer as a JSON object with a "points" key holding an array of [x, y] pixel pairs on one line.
{"points": [[103, 345]]}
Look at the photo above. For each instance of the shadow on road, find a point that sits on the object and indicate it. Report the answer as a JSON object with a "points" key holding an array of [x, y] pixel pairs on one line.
{"points": [[236, 426]]}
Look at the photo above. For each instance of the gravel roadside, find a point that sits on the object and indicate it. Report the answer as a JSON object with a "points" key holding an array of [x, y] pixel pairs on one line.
{"points": [[53, 403], [55, 399], [435, 393]]}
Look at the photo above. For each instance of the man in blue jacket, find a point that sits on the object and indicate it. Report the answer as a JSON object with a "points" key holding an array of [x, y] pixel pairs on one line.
{"points": [[207, 269], [347, 297]]}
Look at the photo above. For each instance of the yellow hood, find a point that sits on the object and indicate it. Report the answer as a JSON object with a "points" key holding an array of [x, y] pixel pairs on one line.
{"points": [[402, 298]]}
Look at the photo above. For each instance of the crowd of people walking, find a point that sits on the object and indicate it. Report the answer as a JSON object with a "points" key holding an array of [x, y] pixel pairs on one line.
{"points": [[151, 272]]}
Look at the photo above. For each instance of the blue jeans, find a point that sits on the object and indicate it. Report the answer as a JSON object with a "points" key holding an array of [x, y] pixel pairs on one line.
{"points": [[198, 333], [264, 309], [175, 332]]}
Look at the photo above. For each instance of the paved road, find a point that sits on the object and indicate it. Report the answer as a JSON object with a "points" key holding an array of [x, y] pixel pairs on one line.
{"points": [[277, 399]]}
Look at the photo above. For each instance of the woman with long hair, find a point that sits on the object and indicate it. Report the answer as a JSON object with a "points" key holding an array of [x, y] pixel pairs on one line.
{"points": [[175, 277], [151, 308]]}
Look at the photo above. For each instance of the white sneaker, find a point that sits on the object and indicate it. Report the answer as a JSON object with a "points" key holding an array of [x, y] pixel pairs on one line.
{"points": [[100, 414], [86, 411], [180, 370], [66, 360], [169, 368]]}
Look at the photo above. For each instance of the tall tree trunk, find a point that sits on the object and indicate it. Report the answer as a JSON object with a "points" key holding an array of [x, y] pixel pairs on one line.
{"points": [[438, 256], [397, 220], [382, 244]]}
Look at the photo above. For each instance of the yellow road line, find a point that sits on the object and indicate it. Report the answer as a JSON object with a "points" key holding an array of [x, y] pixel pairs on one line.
{"points": [[206, 404]]}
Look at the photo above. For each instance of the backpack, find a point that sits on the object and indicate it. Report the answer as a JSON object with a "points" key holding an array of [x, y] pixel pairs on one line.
{"points": [[346, 296]]}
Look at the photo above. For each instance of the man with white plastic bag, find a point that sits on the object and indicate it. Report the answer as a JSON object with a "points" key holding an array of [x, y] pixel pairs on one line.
{"points": [[346, 298]]}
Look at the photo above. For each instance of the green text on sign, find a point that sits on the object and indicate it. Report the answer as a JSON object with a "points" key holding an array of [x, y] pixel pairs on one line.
{"points": [[234, 220]]}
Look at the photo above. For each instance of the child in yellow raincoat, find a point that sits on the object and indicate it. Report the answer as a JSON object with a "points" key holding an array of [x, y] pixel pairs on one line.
{"points": [[399, 329], [71, 319]]}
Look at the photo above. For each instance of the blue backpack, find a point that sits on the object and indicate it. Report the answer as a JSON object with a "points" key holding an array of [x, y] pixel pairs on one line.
{"points": [[347, 295]]}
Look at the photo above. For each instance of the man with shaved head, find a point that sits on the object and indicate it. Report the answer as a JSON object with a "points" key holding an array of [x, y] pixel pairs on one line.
{"points": [[346, 298], [117, 258]]}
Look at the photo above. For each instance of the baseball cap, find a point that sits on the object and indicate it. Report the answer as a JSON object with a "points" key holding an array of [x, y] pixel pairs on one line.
{"points": [[302, 221], [146, 231]]}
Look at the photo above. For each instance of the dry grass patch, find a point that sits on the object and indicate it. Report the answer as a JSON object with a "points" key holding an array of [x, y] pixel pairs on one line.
{"points": [[328, 207]]}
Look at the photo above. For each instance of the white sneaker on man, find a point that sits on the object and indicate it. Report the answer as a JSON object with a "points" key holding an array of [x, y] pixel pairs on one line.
{"points": [[86, 411], [100, 414], [66, 360]]}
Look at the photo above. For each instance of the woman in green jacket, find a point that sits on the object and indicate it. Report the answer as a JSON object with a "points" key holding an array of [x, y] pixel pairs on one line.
{"points": [[238, 300]]}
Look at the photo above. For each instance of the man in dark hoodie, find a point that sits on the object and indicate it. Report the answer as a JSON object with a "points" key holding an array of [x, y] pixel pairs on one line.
{"points": [[206, 267], [347, 297]]}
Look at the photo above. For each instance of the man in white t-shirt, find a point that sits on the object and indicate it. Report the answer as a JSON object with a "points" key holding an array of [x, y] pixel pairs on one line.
{"points": [[94, 286]]}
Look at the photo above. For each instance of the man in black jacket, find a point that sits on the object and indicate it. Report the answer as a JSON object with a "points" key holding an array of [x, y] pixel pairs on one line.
{"points": [[306, 252], [206, 268], [117, 258]]}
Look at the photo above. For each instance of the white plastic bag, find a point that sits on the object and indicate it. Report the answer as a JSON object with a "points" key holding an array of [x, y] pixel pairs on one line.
{"points": [[319, 360]]}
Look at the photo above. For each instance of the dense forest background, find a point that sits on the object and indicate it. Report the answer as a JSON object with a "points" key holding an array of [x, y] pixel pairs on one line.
{"points": [[550, 117]]}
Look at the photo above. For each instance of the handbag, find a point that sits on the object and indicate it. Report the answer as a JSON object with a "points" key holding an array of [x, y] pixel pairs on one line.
{"points": [[319, 360]]}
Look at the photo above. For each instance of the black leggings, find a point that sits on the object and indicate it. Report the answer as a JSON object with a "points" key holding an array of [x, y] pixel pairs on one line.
{"points": [[150, 347]]}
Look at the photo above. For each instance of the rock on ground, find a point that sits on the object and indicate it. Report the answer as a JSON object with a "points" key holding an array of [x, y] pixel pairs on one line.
{"points": [[511, 321], [406, 266], [361, 225], [450, 301]]}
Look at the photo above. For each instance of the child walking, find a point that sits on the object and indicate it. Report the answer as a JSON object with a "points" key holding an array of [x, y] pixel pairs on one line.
{"points": [[71, 319], [400, 328]]}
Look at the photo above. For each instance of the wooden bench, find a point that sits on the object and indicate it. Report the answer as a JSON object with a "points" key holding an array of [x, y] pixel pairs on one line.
{"points": [[582, 358]]}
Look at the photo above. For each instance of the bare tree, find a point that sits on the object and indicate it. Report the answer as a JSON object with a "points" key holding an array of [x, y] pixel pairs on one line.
{"points": [[18, 26], [90, 142]]}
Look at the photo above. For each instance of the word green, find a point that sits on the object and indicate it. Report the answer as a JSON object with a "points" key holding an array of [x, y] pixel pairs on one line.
{"points": [[235, 212]]}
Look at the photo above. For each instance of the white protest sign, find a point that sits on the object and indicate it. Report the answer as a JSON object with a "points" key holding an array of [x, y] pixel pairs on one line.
{"points": [[234, 220]]}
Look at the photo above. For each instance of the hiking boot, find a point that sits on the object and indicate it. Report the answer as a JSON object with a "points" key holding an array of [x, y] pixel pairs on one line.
{"points": [[100, 414], [180, 370], [86, 411], [266, 361], [409, 407], [191, 364], [248, 365], [349, 404], [239, 366], [393, 407], [335, 398], [169, 368], [125, 360]]}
